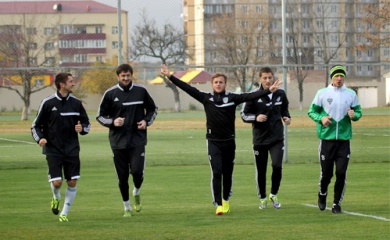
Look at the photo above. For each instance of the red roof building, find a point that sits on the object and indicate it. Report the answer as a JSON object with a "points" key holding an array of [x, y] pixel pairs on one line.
{"points": [[60, 33]]}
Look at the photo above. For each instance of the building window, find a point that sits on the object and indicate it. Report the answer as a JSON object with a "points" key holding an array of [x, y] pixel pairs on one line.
{"points": [[31, 31], [306, 38], [369, 53], [244, 9], [305, 8], [319, 53], [82, 43], [259, 24], [50, 60], [260, 53], [33, 61], [80, 58], [306, 24], [99, 59], [115, 44], [319, 8], [333, 8], [244, 24], [260, 40], [48, 31], [114, 30], [81, 29], [320, 24], [244, 40], [98, 30], [32, 46], [259, 9], [49, 46], [208, 9], [66, 29], [386, 52], [218, 8]]}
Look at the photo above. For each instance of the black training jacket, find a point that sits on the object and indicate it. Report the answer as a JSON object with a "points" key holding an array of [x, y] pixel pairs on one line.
{"points": [[271, 130], [132, 102], [220, 109], [56, 119]]}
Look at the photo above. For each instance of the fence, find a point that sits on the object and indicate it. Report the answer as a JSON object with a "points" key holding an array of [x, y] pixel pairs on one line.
{"points": [[371, 92]]}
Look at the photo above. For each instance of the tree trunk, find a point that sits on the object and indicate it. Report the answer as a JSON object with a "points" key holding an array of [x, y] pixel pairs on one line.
{"points": [[26, 95], [24, 113], [175, 94], [177, 99]]}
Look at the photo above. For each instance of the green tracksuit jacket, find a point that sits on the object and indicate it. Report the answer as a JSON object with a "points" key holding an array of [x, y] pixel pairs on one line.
{"points": [[335, 102]]}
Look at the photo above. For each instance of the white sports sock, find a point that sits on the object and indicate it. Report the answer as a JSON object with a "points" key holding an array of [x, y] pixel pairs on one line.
{"points": [[70, 194], [127, 205], [56, 191], [136, 191]]}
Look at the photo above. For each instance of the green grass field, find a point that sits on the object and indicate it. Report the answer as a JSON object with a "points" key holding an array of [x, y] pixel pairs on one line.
{"points": [[176, 193]]}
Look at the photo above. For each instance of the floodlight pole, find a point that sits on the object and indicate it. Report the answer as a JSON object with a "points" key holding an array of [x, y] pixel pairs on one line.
{"points": [[119, 32], [285, 155]]}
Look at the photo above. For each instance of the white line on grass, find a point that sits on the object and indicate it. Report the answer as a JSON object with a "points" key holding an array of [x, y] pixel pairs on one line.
{"points": [[18, 141], [353, 213]]}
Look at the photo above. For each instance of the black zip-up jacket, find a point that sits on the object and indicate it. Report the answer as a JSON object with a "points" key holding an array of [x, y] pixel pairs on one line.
{"points": [[56, 119], [132, 102], [271, 130], [220, 109]]}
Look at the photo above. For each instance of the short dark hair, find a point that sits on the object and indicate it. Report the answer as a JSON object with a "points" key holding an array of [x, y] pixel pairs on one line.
{"points": [[124, 68], [219, 75], [265, 70], [61, 78]]}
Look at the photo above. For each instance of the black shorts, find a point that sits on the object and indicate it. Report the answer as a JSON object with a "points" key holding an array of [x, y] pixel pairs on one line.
{"points": [[70, 165]]}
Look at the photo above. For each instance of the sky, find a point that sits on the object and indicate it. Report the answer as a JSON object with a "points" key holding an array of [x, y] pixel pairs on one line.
{"points": [[162, 11]]}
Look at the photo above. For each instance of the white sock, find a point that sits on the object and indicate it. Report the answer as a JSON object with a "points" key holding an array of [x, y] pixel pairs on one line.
{"points": [[136, 191], [70, 194], [56, 191], [127, 205]]}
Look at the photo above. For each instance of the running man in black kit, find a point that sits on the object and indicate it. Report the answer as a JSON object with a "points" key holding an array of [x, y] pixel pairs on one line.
{"points": [[127, 110], [267, 115], [220, 107]]}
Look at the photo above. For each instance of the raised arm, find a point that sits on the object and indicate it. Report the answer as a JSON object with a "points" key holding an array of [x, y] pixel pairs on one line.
{"points": [[192, 91]]}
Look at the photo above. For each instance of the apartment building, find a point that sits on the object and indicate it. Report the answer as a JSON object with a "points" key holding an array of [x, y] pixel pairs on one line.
{"points": [[318, 33], [59, 33]]}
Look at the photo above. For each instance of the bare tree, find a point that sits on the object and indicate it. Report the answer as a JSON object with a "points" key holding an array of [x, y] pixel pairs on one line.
{"points": [[24, 52], [167, 45], [328, 35], [296, 49], [238, 41], [377, 24]]}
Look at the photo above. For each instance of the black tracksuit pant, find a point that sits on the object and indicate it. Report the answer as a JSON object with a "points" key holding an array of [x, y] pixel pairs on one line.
{"points": [[221, 157], [276, 151], [126, 161], [334, 153]]}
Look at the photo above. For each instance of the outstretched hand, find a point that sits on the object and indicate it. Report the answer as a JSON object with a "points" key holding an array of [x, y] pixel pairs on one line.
{"points": [[165, 70], [275, 86]]}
